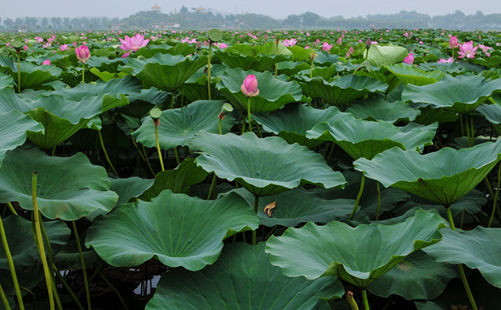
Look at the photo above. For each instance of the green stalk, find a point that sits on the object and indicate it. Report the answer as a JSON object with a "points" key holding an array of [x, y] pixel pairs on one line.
{"points": [[311, 68], [173, 101], [378, 200], [4, 298], [106, 153], [472, 130], [460, 267], [461, 123], [82, 261], [147, 160], [18, 73], [83, 72], [249, 113], [158, 148], [208, 68], [220, 127], [11, 266], [38, 224], [11, 208], [51, 262], [494, 203], [212, 185], [254, 232], [176, 154], [351, 301], [366, 300], [357, 201]]}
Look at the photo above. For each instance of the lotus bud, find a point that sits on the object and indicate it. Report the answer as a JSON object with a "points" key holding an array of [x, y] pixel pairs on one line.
{"points": [[82, 53], [249, 86], [368, 43], [351, 301]]}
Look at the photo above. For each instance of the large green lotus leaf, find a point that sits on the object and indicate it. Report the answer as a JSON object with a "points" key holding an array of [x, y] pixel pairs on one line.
{"points": [[291, 67], [300, 206], [263, 166], [165, 71], [178, 126], [273, 93], [32, 76], [21, 241], [444, 176], [129, 188], [366, 139], [379, 109], [411, 75], [106, 76], [13, 128], [294, 120], [242, 278], [418, 276], [478, 249], [249, 57], [178, 180], [195, 88], [492, 112], [68, 188], [460, 94], [177, 229], [385, 55], [342, 90], [357, 255]]}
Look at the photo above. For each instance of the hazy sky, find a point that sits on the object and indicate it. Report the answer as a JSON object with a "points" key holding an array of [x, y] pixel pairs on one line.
{"points": [[274, 8]]}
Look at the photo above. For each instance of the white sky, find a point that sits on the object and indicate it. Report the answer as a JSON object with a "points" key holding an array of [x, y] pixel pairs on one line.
{"points": [[274, 8]]}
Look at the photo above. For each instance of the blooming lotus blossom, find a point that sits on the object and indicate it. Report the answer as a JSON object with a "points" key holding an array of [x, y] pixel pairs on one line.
{"points": [[467, 50], [249, 86], [406, 35], [46, 62], [134, 43], [125, 55], [450, 60], [409, 59], [82, 52], [339, 41], [290, 42], [64, 47], [25, 48], [326, 47], [38, 39], [453, 42], [306, 47], [349, 52], [485, 49]]}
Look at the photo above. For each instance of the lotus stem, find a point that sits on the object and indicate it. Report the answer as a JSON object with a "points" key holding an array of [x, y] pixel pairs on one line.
{"points": [[106, 153], [18, 73], [176, 154], [220, 127], [460, 266], [212, 185], [496, 196], [209, 68], [472, 130], [51, 263], [173, 101], [311, 68], [366, 300], [360, 192], [83, 72], [256, 206], [158, 148], [378, 200], [147, 160], [461, 123], [4, 298], [41, 248], [82, 261], [11, 208], [249, 113], [124, 304], [11, 267]]}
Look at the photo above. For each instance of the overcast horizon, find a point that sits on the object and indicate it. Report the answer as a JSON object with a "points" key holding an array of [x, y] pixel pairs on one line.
{"points": [[275, 9]]}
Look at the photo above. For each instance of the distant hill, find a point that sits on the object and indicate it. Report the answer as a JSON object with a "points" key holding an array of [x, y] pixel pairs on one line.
{"points": [[205, 18]]}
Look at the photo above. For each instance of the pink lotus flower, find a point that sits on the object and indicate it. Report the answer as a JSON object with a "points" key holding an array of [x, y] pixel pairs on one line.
{"points": [[349, 52], [326, 47], [339, 41], [125, 55], [453, 42], [467, 50], [450, 60], [290, 42], [134, 43], [485, 49], [409, 59], [306, 47], [82, 52], [64, 47], [406, 35], [38, 39], [25, 48], [46, 62], [249, 86]]}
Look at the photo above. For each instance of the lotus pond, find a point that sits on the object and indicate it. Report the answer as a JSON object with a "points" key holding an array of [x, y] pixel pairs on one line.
{"points": [[261, 170]]}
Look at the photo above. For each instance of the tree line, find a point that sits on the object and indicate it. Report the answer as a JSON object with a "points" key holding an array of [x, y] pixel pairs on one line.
{"points": [[196, 19]]}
